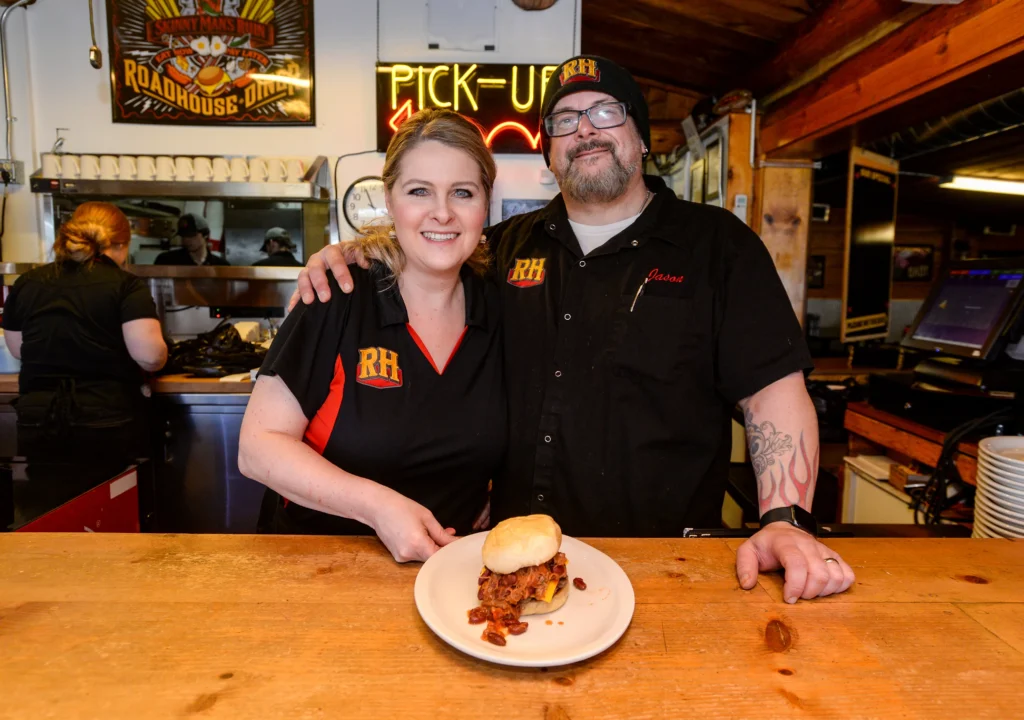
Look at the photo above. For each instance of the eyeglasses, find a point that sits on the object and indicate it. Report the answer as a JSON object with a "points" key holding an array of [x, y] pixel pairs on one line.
{"points": [[601, 116]]}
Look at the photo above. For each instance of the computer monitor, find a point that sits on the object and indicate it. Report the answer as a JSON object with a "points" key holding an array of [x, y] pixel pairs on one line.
{"points": [[970, 308]]}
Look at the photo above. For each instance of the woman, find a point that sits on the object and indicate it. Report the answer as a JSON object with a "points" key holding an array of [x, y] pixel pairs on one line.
{"points": [[84, 329], [383, 411]]}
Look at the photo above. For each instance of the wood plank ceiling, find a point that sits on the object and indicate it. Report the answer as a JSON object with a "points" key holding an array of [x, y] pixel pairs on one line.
{"points": [[699, 46]]}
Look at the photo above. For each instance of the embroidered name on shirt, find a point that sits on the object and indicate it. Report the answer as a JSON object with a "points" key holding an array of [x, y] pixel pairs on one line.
{"points": [[581, 70], [656, 276], [527, 272], [378, 368]]}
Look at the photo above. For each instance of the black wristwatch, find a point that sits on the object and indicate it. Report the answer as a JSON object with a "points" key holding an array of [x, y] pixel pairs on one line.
{"points": [[795, 516]]}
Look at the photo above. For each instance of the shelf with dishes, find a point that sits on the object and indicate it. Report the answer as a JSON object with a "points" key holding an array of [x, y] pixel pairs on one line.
{"points": [[183, 176]]}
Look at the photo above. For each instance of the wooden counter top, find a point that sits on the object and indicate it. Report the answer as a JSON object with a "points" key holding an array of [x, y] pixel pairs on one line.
{"points": [[162, 385], [136, 626]]}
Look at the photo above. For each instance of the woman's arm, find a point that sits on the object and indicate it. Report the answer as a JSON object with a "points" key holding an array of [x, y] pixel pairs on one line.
{"points": [[271, 451], [145, 342], [13, 340]]}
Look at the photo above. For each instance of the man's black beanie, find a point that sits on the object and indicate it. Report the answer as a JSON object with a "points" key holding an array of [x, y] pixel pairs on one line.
{"points": [[591, 72]]}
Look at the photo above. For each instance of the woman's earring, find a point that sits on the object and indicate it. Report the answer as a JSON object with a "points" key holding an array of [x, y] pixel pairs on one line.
{"points": [[392, 235], [483, 239]]}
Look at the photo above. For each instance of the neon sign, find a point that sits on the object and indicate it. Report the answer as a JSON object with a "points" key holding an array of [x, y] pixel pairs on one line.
{"points": [[504, 99]]}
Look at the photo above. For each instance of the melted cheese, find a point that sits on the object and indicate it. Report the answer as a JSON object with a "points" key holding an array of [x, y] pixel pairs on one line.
{"points": [[549, 591]]}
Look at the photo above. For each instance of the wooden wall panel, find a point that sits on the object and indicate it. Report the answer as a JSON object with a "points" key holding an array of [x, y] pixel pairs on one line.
{"points": [[783, 222], [827, 239]]}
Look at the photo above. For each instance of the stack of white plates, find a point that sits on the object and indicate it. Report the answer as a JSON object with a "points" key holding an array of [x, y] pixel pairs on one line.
{"points": [[999, 502]]}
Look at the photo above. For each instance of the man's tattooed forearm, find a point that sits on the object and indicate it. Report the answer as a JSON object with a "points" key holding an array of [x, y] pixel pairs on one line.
{"points": [[765, 442], [777, 487]]}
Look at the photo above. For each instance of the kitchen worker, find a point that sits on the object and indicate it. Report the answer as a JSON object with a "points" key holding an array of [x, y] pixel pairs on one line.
{"points": [[383, 411], [194, 232], [280, 249], [85, 330], [634, 322]]}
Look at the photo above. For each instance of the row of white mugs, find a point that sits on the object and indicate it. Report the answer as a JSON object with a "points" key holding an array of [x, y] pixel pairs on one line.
{"points": [[178, 169]]}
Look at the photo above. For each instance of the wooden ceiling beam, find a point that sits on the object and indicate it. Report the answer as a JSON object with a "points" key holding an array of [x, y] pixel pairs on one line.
{"points": [[839, 24], [946, 44]]}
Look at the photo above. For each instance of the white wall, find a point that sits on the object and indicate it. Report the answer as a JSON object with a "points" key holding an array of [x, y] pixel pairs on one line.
{"points": [[53, 86]]}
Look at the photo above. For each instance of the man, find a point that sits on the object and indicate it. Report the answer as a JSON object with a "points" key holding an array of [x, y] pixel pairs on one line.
{"points": [[634, 323], [194, 232], [280, 249]]}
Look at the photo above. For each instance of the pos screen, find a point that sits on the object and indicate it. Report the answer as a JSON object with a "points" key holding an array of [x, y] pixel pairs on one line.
{"points": [[969, 308]]}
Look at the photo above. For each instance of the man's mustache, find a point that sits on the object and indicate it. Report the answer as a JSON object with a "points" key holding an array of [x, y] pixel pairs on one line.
{"points": [[588, 146]]}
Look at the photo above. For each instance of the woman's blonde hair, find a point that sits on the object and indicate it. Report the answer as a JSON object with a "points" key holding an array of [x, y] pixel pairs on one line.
{"points": [[378, 242], [93, 228]]}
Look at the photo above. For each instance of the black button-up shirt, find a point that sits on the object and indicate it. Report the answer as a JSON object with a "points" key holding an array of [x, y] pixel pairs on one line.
{"points": [[623, 366], [380, 408]]}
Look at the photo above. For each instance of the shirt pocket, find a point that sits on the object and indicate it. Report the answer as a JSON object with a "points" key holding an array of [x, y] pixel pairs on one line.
{"points": [[657, 339]]}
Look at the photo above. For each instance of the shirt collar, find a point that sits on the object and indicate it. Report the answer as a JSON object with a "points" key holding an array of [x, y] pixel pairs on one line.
{"points": [[391, 308], [659, 220]]}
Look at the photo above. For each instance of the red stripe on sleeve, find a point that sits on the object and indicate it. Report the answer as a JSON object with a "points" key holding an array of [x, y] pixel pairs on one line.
{"points": [[318, 432]]}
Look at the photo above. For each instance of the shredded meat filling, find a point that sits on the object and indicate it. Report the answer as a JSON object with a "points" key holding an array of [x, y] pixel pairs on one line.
{"points": [[500, 596]]}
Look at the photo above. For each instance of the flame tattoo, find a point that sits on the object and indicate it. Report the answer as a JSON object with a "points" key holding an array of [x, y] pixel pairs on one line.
{"points": [[777, 488]]}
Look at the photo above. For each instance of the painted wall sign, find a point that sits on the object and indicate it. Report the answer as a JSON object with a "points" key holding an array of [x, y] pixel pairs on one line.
{"points": [[212, 62]]}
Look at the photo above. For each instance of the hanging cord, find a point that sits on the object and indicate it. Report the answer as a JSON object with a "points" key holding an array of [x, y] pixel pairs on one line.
{"points": [[934, 499], [337, 190], [6, 176]]}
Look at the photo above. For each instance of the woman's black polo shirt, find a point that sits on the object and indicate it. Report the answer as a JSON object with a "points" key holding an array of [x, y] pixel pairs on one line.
{"points": [[378, 407], [71, 315], [623, 366]]}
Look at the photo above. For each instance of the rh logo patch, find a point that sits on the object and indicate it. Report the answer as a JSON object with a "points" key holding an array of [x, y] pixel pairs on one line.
{"points": [[527, 272], [580, 70], [378, 368]]}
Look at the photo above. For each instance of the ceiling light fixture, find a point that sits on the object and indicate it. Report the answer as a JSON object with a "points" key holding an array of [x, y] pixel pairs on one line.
{"points": [[962, 182]]}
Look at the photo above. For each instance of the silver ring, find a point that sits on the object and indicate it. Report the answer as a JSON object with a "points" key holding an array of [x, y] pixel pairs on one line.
{"points": [[828, 560]]}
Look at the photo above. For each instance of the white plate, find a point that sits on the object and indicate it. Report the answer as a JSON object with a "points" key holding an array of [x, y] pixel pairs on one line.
{"points": [[1013, 502], [1010, 504], [589, 623], [1000, 480], [1005, 466], [997, 512], [995, 523], [1006, 447]]}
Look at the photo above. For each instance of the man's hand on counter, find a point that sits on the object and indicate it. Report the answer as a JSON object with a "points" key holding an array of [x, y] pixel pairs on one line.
{"points": [[313, 278], [780, 545]]}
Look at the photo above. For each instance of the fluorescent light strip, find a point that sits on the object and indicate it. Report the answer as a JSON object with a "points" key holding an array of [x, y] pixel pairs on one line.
{"points": [[961, 182]]}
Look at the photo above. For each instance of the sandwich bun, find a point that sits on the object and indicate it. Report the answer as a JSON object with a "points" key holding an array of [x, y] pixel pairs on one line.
{"points": [[521, 542], [539, 607]]}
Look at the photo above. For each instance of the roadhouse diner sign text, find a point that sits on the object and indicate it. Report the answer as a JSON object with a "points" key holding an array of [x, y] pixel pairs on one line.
{"points": [[212, 62], [504, 99]]}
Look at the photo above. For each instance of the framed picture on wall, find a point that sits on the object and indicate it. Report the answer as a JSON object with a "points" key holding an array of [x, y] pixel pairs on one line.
{"points": [[913, 263], [712, 185], [214, 62], [697, 181], [816, 272], [511, 207]]}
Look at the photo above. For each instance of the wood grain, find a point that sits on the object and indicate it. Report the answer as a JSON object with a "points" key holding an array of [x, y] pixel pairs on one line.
{"points": [[870, 83], [784, 213], [908, 438], [231, 626]]}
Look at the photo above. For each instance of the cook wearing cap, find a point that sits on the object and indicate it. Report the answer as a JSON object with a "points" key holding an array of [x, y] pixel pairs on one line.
{"points": [[194, 232], [676, 312], [280, 249]]}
